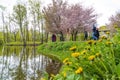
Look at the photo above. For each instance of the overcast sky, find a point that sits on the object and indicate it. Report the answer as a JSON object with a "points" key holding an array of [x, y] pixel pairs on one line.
{"points": [[105, 8]]}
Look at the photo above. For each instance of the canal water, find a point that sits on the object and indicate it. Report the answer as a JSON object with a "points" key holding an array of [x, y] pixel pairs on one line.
{"points": [[21, 63]]}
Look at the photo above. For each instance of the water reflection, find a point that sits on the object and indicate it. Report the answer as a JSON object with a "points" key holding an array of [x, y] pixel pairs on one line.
{"points": [[21, 63]]}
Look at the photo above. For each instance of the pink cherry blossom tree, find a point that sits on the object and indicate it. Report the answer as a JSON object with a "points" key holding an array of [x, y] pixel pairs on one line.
{"points": [[115, 20], [78, 19], [68, 19]]}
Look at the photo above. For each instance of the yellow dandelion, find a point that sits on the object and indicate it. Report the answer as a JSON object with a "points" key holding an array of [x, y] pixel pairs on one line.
{"points": [[90, 41], [92, 57], [98, 55], [65, 60], [68, 63], [79, 70], [108, 43], [73, 48], [104, 37], [64, 74], [83, 52], [75, 54], [94, 42], [100, 40], [107, 32]]}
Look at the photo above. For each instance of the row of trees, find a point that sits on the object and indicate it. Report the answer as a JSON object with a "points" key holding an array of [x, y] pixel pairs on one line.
{"points": [[115, 20], [23, 21], [33, 22], [62, 18]]}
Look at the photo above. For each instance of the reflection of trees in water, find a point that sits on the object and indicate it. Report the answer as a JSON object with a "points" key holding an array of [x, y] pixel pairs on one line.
{"points": [[53, 67], [4, 62], [19, 73], [29, 65]]}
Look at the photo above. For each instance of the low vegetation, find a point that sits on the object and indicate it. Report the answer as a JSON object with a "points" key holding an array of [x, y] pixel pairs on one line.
{"points": [[86, 60]]}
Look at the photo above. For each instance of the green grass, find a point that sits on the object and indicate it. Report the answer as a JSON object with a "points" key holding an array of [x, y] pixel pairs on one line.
{"points": [[21, 43], [59, 50], [102, 65]]}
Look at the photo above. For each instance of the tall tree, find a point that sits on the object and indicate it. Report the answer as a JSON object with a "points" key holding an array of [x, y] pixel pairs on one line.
{"points": [[35, 11], [78, 19], [52, 15], [19, 16], [3, 9], [115, 20]]}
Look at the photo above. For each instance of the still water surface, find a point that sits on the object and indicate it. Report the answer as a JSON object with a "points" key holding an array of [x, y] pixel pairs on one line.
{"points": [[21, 63]]}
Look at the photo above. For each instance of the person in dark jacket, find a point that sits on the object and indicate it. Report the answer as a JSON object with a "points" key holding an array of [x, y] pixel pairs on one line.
{"points": [[53, 38], [97, 33], [94, 34]]}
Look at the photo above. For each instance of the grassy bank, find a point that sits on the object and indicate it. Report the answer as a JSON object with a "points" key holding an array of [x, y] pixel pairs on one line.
{"points": [[96, 60], [59, 50], [21, 44]]}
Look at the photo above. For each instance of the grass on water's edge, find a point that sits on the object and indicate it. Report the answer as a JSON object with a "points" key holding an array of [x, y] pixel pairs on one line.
{"points": [[21, 44], [59, 50]]}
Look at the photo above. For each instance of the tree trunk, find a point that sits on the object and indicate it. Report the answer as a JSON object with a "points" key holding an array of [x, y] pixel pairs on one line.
{"points": [[14, 36], [3, 27], [34, 32], [21, 30], [42, 31], [46, 40], [75, 35], [27, 34], [7, 34], [61, 36], [72, 36], [27, 31]]}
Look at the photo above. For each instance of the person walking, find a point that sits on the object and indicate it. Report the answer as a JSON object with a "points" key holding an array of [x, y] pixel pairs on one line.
{"points": [[94, 33]]}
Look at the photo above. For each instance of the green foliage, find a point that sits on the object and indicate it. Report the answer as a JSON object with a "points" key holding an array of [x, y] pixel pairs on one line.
{"points": [[81, 37], [21, 43], [102, 27], [58, 49], [20, 12], [96, 60]]}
